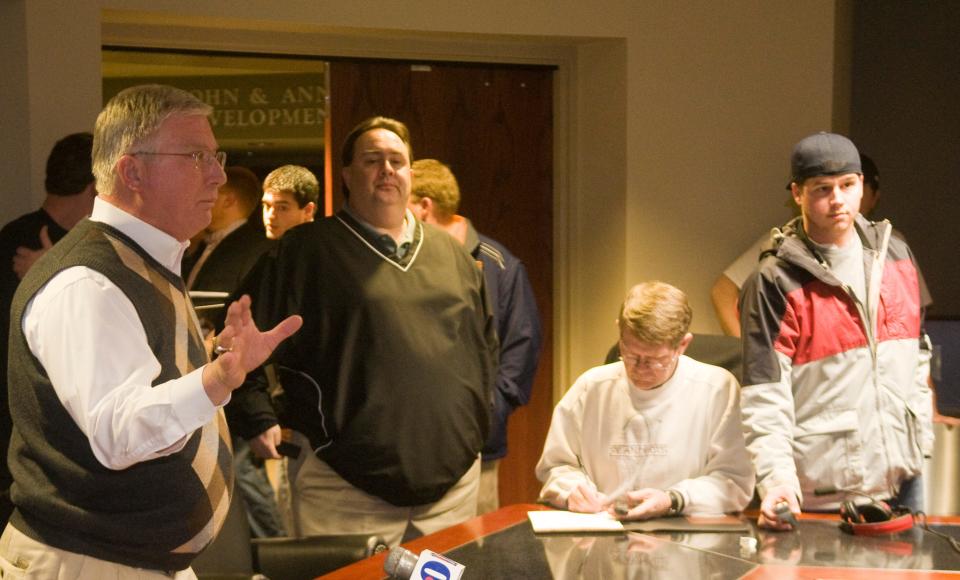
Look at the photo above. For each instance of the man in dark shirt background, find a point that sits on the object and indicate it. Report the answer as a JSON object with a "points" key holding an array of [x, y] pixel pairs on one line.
{"points": [[435, 199], [227, 251], [231, 244], [70, 193]]}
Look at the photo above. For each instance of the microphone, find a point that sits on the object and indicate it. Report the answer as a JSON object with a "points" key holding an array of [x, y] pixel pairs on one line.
{"points": [[826, 490], [784, 515], [402, 564], [833, 490]]}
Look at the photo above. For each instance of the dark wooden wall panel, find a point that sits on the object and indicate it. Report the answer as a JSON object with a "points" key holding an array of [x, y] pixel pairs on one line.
{"points": [[493, 125], [904, 113]]}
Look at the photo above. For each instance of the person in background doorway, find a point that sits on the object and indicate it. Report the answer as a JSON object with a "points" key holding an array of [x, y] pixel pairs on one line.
{"points": [[290, 197], [228, 250], [435, 199], [70, 191], [230, 245]]}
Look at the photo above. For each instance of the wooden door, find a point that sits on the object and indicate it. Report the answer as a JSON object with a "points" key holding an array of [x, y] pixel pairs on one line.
{"points": [[493, 125]]}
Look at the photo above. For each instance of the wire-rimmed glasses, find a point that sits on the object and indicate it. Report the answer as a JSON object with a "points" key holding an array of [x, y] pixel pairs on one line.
{"points": [[200, 158]]}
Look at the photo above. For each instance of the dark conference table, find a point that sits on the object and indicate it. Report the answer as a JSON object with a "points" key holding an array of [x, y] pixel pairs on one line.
{"points": [[503, 545]]}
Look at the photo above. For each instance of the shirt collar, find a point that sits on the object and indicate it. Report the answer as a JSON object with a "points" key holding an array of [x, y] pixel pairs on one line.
{"points": [[214, 238], [830, 251], [386, 241], [640, 396], [161, 246], [406, 234], [473, 239]]}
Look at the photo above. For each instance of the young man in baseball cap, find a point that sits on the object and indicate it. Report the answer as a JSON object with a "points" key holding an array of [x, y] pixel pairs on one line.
{"points": [[835, 399]]}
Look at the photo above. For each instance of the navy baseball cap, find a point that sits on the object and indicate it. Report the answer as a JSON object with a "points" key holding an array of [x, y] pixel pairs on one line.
{"points": [[823, 154]]}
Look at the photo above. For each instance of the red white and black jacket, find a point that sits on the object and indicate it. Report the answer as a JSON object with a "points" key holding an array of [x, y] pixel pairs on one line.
{"points": [[835, 391]]}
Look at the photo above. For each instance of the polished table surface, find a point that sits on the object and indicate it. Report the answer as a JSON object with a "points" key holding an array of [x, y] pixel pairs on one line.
{"points": [[502, 545]]}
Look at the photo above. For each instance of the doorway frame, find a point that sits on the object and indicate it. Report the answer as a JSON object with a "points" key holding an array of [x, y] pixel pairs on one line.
{"points": [[582, 65]]}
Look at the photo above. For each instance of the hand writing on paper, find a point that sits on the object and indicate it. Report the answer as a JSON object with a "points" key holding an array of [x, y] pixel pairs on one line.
{"points": [[586, 499]]}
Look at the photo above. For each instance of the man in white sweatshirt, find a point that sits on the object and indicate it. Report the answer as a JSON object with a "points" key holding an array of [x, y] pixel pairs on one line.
{"points": [[655, 434]]}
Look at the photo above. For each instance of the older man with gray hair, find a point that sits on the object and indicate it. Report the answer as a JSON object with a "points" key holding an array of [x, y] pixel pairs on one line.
{"points": [[119, 453]]}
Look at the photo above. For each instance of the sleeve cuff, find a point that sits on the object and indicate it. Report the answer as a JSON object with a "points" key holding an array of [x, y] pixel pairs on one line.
{"points": [[191, 405]]}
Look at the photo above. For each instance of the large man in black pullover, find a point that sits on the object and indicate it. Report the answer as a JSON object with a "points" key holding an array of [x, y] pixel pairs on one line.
{"points": [[388, 386]]}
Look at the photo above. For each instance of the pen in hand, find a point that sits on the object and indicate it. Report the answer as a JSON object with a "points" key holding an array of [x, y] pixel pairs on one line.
{"points": [[618, 499], [622, 508]]}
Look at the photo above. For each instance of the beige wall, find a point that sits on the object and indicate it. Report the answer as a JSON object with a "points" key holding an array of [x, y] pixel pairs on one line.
{"points": [[717, 100], [674, 119], [49, 87]]}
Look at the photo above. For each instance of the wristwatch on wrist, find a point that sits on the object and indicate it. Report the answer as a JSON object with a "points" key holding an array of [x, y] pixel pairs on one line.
{"points": [[676, 502]]}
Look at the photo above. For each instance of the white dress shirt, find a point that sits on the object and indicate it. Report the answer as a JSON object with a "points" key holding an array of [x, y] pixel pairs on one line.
{"points": [[86, 333]]}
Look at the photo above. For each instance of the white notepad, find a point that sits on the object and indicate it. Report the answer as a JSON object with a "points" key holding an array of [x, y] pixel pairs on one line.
{"points": [[564, 521], [545, 522]]}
